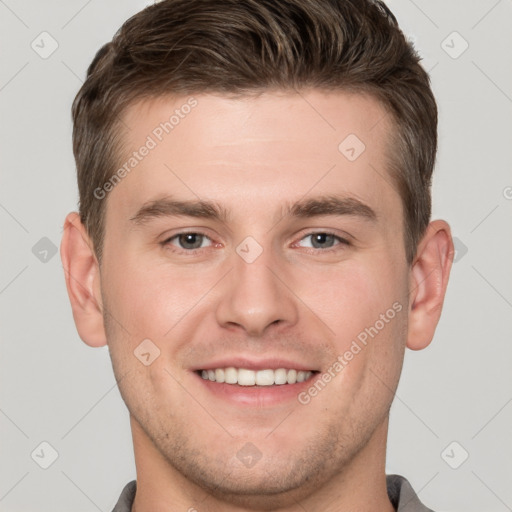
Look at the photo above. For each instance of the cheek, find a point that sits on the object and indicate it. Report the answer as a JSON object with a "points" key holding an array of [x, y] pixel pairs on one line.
{"points": [[148, 300], [363, 305], [375, 340], [352, 297]]}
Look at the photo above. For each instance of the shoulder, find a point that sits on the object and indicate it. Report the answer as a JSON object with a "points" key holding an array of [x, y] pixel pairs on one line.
{"points": [[402, 495], [125, 501]]}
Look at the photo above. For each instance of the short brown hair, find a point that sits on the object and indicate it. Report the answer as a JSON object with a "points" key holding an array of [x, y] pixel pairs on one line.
{"points": [[249, 46]]}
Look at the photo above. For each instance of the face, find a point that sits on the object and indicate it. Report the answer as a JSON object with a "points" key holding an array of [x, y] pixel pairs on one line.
{"points": [[259, 235]]}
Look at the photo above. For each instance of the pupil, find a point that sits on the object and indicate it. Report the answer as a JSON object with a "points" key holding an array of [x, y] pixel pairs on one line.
{"points": [[191, 241], [322, 240]]}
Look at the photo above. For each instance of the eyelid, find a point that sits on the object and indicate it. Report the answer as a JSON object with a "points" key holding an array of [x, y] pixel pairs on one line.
{"points": [[342, 240], [185, 231], [167, 241]]}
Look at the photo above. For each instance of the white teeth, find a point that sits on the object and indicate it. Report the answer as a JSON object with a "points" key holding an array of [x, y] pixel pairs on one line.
{"points": [[230, 375], [245, 377], [280, 376], [265, 377]]}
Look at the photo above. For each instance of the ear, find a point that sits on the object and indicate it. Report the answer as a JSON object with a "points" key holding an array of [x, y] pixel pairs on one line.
{"points": [[427, 284], [81, 270]]}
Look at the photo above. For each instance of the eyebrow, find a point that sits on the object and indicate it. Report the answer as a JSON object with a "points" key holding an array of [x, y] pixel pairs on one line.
{"points": [[331, 205], [169, 207], [305, 208]]}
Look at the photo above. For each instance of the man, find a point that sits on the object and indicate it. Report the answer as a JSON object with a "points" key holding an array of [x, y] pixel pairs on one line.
{"points": [[254, 245]]}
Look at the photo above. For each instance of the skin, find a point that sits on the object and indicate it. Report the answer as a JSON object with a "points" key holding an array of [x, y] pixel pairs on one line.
{"points": [[253, 156]]}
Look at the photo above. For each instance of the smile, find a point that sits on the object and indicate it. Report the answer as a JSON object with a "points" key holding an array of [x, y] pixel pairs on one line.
{"points": [[246, 377]]}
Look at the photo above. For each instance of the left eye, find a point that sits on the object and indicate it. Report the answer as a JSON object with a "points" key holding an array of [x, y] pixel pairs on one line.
{"points": [[189, 241], [323, 240]]}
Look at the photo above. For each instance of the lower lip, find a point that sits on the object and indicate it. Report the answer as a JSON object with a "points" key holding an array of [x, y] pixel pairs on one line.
{"points": [[257, 395]]}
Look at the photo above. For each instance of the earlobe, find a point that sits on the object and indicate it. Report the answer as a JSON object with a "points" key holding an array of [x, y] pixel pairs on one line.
{"points": [[81, 271], [428, 281]]}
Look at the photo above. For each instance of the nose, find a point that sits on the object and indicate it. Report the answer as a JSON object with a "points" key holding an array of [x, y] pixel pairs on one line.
{"points": [[256, 296]]}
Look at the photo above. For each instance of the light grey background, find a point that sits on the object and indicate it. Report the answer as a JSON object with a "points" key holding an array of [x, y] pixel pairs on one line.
{"points": [[55, 389]]}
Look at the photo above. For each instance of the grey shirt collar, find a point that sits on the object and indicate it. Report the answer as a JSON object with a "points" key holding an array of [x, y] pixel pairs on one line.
{"points": [[400, 493]]}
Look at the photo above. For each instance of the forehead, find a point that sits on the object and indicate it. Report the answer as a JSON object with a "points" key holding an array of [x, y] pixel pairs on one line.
{"points": [[223, 121], [277, 146]]}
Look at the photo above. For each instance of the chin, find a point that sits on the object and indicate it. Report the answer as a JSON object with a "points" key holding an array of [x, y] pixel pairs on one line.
{"points": [[266, 488]]}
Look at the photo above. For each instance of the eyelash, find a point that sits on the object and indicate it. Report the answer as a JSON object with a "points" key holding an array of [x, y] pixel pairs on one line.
{"points": [[342, 241], [167, 242]]}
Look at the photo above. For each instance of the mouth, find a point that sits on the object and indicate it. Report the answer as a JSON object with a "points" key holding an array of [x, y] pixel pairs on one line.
{"points": [[243, 381], [256, 378]]}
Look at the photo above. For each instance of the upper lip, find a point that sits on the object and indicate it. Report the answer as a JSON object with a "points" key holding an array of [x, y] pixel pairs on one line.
{"points": [[273, 363]]}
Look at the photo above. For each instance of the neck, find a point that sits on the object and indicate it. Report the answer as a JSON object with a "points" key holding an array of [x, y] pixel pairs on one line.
{"points": [[359, 486]]}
